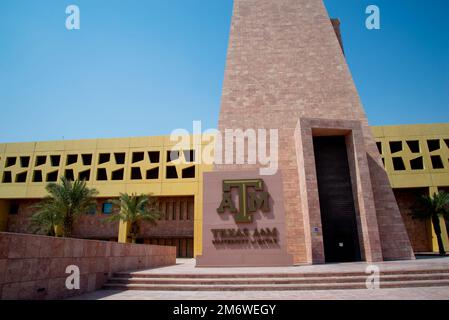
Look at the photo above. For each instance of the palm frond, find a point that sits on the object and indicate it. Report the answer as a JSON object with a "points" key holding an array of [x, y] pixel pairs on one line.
{"points": [[64, 202], [132, 208], [430, 205]]}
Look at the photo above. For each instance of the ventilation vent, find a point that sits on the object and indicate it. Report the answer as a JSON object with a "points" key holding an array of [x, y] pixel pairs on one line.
{"points": [[379, 147], [395, 146], [136, 174], [24, 162], [417, 164], [71, 159], [69, 174], [52, 176], [413, 146], [118, 174], [171, 172], [7, 177], [87, 159], [40, 160], [154, 156], [433, 145], [188, 172], [37, 176], [189, 155], [172, 155], [21, 177], [10, 161], [436, 162], [398, 164], [103, 158], [84, 175], [137, 157], [152, 174], [119, 157], [55, 160], [102, 174]]}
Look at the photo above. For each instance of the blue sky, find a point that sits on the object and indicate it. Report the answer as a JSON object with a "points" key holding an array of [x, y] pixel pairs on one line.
{"points": [[146, 67]]}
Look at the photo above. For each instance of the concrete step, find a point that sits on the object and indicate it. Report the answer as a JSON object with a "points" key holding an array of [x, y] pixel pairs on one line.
{"points": [[278, 280], [274, 275], [214, 281], [273, 287]]}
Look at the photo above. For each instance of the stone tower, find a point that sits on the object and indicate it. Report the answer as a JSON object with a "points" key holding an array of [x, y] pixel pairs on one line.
{"points": [[285, 70]]}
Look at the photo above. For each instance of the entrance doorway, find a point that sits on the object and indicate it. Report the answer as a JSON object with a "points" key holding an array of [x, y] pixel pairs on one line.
{"points": [[339, 224]]}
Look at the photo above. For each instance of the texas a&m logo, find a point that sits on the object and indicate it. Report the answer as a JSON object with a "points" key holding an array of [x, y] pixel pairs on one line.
{"points": [[249, 201]]}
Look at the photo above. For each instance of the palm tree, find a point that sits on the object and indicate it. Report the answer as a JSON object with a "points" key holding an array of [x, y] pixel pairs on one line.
{"points": [[45, 219], [133, 209], [433, 207], [64, 203]]}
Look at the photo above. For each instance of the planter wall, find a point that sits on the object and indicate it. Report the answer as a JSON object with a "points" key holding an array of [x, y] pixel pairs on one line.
{"points": [[34, 267]]}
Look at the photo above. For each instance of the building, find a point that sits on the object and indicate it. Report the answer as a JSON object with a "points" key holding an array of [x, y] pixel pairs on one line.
{"points": [[133, 165], [285, 70], [416, 158], [331, 200], [25, 169]]}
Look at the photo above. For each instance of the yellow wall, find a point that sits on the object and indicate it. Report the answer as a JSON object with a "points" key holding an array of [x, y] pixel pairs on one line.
{"points": [[428, 177], [123, 231], [110, 188]]}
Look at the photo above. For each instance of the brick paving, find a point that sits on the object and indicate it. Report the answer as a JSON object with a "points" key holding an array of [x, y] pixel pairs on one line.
{"points": [[186, 266], [434, 293]]}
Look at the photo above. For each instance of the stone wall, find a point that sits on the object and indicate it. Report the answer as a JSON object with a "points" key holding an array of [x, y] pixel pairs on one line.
{"points": [[176, 223], [86, 225], [34, 267], [419, 231]]}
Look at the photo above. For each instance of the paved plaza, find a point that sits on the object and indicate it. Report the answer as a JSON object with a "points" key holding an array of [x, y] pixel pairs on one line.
{"points": [[434, 293], [187, 266]]}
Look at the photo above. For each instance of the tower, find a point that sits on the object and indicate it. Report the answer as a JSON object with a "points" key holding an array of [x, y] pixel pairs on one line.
{"points": [[285, 70]]}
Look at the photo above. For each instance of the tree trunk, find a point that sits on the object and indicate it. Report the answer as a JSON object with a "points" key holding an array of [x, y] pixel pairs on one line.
{"points": [[51, 232], [437, 229], [68, 226], [134, 231]]}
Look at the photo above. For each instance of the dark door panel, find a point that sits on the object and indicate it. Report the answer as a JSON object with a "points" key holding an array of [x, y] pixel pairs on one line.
{"points": [[338, 218]]}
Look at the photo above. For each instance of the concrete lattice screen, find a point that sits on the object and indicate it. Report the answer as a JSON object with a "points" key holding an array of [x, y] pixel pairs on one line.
{"points": [[109, 167], [419, 154]]}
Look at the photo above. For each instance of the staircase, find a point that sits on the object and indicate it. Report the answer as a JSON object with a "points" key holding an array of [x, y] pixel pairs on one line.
{"points": [[273, 281]]}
